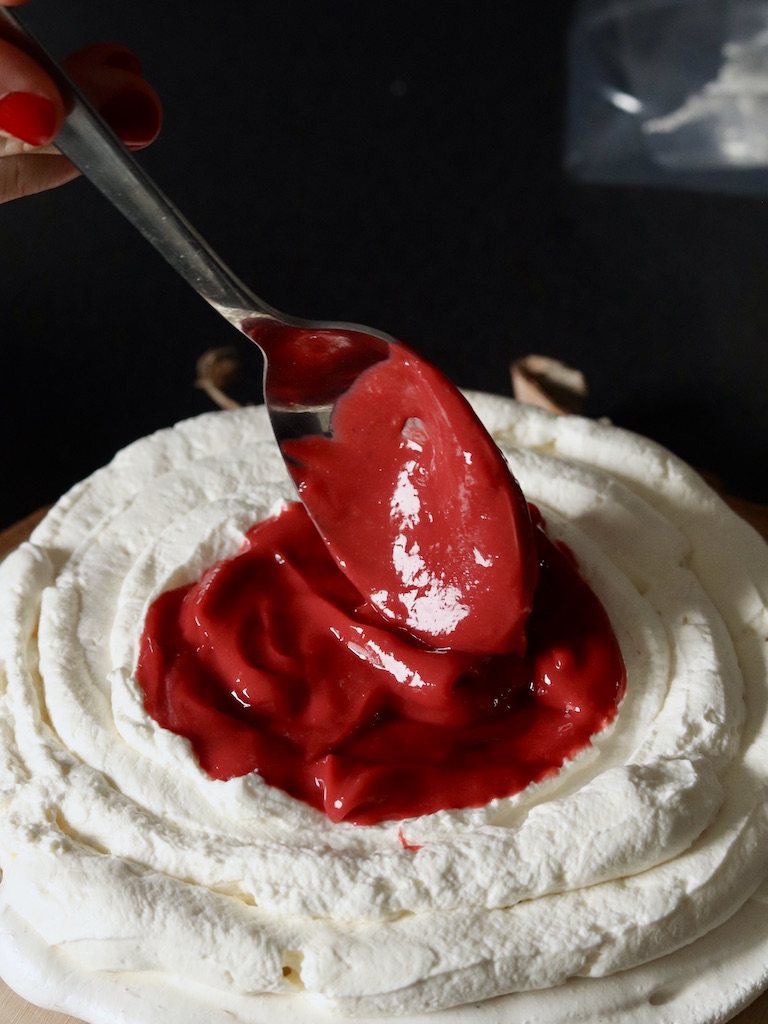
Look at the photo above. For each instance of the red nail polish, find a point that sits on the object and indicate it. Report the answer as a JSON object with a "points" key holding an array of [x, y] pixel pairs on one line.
{"points": [[124, 59], [133, 115], [28, 117]]}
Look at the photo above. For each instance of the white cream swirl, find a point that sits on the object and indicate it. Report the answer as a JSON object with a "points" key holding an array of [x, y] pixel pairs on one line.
{"points": [[120, 855]]}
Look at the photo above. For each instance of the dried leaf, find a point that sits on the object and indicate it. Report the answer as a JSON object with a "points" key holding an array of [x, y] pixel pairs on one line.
{"points": [[218, 369], [549, 384]]}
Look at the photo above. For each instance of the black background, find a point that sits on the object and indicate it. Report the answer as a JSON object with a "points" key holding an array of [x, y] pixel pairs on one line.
{"points": [[392, 163]]}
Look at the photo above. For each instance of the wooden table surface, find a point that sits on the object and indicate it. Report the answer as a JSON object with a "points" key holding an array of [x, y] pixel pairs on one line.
{"points": [[14, 1010]]}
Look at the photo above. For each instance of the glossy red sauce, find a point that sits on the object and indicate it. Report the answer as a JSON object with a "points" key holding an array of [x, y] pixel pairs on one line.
{"points": [[274, 662], [405, 640]]}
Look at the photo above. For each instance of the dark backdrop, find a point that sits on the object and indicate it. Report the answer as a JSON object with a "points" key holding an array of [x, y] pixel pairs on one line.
{"points": [[394, 163]]}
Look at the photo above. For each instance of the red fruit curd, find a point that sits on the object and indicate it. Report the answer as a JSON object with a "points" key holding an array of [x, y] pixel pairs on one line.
{"points": [[302, 658]]}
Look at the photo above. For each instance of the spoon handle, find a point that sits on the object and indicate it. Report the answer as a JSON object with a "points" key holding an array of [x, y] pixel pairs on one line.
{"points": [[95, 150]]}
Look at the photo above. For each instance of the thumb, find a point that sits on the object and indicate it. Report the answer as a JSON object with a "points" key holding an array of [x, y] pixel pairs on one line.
{"points": [[31, 108]]}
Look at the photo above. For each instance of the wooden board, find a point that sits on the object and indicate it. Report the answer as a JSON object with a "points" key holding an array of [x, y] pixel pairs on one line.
{"points": [[14, 1010]]}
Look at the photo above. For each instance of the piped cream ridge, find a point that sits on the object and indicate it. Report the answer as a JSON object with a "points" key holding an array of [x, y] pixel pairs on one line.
{"points": [[120, 855]]}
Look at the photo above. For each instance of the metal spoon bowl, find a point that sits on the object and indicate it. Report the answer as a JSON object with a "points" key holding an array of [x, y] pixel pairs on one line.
{"points": [[308, 365]]}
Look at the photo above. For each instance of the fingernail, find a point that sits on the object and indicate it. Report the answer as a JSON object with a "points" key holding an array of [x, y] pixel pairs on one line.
{"points": [[133, 115], [124, 60], [28, 117]]}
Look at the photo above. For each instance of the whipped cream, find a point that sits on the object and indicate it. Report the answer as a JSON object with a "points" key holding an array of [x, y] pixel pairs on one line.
{"points": [[127, 868]]}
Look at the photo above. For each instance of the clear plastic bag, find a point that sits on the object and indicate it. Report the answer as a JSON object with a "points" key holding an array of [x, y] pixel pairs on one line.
{"points": [[669, 92]]}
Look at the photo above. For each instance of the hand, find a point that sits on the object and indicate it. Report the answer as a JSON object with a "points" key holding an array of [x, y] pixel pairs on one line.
{"points": [[31, 111]]}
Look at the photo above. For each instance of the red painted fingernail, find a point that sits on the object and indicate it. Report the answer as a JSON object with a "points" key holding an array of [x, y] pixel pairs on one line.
{"points": [[28, 117], [133, 115], [124, 60]]}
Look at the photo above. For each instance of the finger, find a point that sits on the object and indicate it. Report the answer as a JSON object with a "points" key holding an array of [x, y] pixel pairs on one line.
{"points": [[109, 75], [109, 54], [31, 111], [31, 108], [32, 172]]}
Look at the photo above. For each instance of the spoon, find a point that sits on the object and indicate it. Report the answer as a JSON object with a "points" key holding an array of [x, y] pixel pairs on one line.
{"points": [[308, 364], [410, 494]]}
